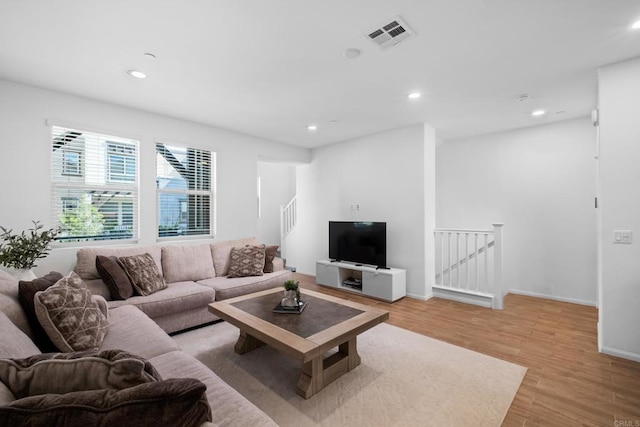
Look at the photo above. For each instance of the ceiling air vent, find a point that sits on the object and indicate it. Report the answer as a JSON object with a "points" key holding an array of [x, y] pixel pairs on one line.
{"points": [[391, 33]]}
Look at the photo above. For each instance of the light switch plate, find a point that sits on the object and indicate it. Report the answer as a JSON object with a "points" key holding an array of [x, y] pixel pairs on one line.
{"points": [[622, 236]]}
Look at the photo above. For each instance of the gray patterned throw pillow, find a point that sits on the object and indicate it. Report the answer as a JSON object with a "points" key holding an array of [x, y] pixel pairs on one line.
{"points": [[144, 274], [70, 316], [246, 261]]}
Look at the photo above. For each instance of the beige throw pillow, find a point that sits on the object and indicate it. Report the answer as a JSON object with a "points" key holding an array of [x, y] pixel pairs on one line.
{"points": [[246, 261], [70, 316], [144, 274]]}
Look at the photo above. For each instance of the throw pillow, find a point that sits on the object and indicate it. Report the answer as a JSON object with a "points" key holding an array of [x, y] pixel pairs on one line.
{"points": [[246, 261], [70, 316], [114, 276], [173, 402], [26, 292], [78, 371], [269, 255], [143, 272]]}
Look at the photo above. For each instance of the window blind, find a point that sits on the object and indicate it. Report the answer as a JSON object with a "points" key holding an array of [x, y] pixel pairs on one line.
{"points": [[185, 181], [95, 185]]}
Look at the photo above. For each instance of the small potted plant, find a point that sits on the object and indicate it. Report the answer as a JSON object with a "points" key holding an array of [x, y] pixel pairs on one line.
{"points": [[19, 252], [291, 293]]}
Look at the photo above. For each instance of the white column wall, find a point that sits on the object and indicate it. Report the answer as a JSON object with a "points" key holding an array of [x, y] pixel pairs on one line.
{"points": [[619, 105], [385, 175]]}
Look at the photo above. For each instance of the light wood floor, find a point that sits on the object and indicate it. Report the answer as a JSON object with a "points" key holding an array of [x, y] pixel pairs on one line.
{"points": [[567, 383]]}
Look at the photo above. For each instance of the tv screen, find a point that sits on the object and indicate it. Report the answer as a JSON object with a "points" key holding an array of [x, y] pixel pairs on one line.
{"points": [[359, 242]]}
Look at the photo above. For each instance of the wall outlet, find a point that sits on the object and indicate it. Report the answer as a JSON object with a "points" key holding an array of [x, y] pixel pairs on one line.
{"points": [[622, 237]]}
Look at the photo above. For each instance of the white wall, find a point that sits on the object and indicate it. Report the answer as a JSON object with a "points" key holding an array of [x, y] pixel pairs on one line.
{"points": [[385, 175], [540, 182], [278, 185], [619, 105], [25, 171]]}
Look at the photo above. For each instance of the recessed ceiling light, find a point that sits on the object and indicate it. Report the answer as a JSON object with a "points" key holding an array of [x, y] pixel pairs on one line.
{"points": [[137, 74], [149, 55], [636, 25], [414, 95], [538, 113], [351, 53], [312, 127], [522, 98]]}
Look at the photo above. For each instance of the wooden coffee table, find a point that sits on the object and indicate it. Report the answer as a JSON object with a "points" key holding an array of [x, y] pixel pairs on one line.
{"points": [[325, 323]]}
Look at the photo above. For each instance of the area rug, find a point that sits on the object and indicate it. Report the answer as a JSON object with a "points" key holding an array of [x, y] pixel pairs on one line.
{"points": [[405, 379]]}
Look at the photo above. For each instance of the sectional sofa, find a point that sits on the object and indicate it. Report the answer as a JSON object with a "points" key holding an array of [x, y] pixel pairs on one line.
{"points": [[196, 275]]}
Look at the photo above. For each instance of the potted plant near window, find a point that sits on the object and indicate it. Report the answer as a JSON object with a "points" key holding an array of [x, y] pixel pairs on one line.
{"points": [[19, 252]]}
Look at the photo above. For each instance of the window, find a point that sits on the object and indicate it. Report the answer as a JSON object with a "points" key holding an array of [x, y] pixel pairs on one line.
{"points": [[121, 160], [94, 185], [71, 162], [185, 187]]}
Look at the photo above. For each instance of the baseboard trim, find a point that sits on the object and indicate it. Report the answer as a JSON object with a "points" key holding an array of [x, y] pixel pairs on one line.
{"points": [[420, 297], [478, 300], [620, 353], [552, 297]]}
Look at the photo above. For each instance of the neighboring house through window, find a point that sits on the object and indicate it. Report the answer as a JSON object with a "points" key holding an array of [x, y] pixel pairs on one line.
{"points": [[71, 162], [94, 185], [185, 191], [121, 160]]}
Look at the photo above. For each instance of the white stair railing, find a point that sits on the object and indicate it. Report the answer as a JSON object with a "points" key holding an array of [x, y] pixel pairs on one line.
{"points": [[288, 221], [469, 265]]}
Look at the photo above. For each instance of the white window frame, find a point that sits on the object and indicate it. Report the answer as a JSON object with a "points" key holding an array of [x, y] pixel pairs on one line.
{"points": [[211, 193], [93, 182]]}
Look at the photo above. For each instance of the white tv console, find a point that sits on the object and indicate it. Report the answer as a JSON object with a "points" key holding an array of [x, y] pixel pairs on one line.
{"points": [[385, 284]]}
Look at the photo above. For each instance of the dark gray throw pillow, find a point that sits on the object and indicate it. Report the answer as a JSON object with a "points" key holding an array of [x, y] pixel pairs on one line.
{"points": [[173, 402], [59, 373], [26, 291], [269, 255], [114, 276]]}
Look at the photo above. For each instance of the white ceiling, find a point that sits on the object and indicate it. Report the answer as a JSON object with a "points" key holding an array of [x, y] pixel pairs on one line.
{"points": [[270, 68]]}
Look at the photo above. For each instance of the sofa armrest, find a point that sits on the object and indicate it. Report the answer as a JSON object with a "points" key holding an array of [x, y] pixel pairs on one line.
{"points": [[278, 264]]}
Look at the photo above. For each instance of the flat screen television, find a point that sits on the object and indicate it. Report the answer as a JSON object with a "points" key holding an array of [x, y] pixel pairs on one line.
{"points": [[358, 242]]}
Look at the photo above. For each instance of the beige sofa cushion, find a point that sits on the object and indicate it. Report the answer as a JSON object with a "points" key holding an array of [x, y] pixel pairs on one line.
{"points": [[182, 263], [10, 305], [222, 250], [230, 287], [229, 408], [86, 258], [14, 343], [177, 297], [132, 331]]}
